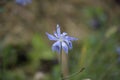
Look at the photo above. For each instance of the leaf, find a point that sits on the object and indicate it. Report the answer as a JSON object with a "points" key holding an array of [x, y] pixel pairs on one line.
{"points": [[111, 31]]}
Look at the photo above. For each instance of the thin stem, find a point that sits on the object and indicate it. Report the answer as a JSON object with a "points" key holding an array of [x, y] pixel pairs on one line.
{"points": [[74, 74], [61, 73]]}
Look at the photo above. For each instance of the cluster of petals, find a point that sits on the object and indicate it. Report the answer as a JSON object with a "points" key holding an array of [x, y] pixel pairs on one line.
{"points": [[62, 40]]}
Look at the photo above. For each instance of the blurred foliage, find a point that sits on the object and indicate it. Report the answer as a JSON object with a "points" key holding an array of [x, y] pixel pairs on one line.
{"points": [[99, 57], [24, 49], [39, 51], [96, 17], [13, 57]]}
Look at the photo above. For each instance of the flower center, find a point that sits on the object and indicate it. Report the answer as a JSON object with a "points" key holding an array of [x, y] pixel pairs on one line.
{"points": [[61, 39]]}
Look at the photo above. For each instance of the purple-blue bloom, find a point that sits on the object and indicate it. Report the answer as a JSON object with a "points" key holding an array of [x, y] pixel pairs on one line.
{"points": [[23, 2], [62, 40]]}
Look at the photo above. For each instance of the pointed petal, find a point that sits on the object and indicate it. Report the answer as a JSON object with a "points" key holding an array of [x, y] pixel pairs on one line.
{"points": [[51, 37], [64, 34], [71, 38], [58, 30], [65, 47], [56, 46], [55, 34], [69, 43]]}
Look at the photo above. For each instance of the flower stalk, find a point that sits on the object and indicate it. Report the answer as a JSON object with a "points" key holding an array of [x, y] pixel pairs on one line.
{"points": [[61, 71]]}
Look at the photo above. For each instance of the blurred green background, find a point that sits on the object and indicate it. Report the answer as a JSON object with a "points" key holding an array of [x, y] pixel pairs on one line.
{"points": [[25, 51]]}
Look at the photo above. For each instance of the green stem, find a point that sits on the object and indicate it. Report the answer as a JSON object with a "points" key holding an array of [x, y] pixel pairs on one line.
{"points": [[74, 74], [61, 73]]}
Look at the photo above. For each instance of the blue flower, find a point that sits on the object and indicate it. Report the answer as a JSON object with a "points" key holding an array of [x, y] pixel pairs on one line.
{"points": [[62, 40], [23, 2]]}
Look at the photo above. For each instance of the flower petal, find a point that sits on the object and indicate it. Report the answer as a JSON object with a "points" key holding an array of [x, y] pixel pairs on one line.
{"points": [[69, 43], [64, 34], [56, 46], [51, 37], [55, 34], [71, 38], [58, 30], [65, 47]]}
